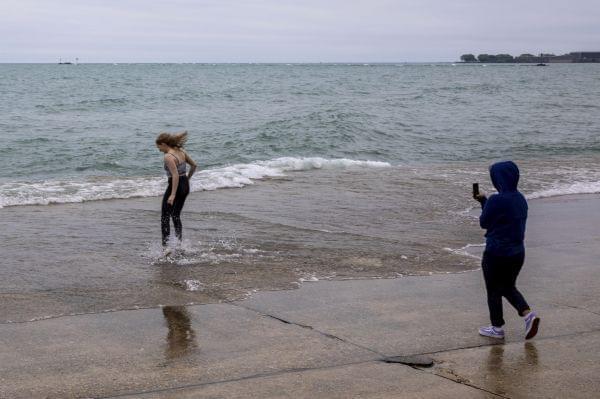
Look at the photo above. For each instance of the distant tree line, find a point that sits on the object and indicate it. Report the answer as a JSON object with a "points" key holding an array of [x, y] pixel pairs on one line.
{"points": [[578, 56], [505, 58]]}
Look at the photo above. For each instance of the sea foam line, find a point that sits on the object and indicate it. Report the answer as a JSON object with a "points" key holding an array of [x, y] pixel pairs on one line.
{"points": [[590, 187], [464, 251], [100, 188]]}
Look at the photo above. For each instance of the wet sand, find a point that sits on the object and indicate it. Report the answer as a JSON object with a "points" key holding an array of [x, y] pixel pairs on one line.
{"points": [[327, 339]]}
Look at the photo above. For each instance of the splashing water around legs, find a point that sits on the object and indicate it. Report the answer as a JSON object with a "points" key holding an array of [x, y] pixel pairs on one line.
{"points": [[173, 211]]}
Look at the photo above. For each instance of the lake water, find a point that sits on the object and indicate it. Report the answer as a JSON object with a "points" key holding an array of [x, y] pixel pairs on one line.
{"points": [[306, 172]]}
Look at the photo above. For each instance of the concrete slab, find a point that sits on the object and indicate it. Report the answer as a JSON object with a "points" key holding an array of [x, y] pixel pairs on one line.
{"points": [[411, 315], [415, 315], [565, 367], [114, 353], [369, 380]]}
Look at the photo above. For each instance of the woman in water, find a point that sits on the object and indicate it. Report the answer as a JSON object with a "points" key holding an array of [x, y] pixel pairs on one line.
{"points": [[175, 164]]}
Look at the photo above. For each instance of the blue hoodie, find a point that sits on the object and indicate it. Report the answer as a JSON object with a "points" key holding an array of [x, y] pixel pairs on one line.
{"points": [[504, 214]]}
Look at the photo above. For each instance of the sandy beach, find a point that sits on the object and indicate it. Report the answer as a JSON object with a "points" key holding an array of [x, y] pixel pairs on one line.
{"points": [[327, 339]]}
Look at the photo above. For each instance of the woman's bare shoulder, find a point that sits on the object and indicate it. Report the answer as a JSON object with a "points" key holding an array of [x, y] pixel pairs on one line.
{"points": [[169, 158], [188, 159]]}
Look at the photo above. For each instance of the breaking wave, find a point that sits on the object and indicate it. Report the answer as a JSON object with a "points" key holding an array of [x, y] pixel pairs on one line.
{"points": [[100, 188]]}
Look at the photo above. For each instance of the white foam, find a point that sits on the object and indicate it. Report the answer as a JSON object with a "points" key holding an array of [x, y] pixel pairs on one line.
{"points": [[192, 285], [466, 212], [100, 188], [310, 278], [590, 187], [464, 251], [201, 253]]}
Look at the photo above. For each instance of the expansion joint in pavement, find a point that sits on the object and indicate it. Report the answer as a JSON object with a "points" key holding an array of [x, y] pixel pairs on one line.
{"points": [[576, 307], [323, 333], [461, 381], [245, 378], [573, 334]]}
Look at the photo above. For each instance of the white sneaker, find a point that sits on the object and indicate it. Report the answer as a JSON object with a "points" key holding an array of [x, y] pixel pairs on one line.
{"points": [[532, 323], [492, 332]]}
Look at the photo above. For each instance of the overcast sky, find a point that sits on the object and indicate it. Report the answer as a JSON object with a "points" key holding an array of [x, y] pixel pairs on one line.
{"points": [[291, 31]]}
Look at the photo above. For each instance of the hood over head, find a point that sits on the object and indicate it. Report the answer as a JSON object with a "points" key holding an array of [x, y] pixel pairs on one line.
{"points": [[505, 176]]}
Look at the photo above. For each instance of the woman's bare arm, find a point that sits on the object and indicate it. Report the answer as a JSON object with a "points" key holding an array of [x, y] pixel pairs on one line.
{"points": [[192, 164], [174, 177]]}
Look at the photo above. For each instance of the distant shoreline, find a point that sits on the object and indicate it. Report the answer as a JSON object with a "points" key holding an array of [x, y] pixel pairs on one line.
{"points": [[386, 63], [570, 58]]}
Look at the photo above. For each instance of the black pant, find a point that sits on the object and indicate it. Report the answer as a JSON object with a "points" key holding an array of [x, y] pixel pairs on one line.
{"points": [[500, 274], [173, 211]]}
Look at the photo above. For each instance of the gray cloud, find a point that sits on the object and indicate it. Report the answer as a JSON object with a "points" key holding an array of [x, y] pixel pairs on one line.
{"points": [[290, 31]]}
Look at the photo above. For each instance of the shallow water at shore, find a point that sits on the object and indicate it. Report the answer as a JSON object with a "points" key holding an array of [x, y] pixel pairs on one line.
{"points": [[362, 223], [105, 255]]}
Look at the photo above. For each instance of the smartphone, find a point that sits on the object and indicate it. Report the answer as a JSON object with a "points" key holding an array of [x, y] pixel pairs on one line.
{"points": [[475, 190]]}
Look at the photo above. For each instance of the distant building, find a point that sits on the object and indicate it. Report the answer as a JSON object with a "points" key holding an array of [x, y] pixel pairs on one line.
{"points": [[581, 56], [586, 56], [565, 58]]}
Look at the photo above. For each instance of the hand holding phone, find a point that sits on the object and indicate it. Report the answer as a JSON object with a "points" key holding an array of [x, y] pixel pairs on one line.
{"points": [[479, 197]]}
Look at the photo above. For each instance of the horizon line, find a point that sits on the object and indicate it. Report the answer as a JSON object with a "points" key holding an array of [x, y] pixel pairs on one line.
{"points": [[235, 62]]}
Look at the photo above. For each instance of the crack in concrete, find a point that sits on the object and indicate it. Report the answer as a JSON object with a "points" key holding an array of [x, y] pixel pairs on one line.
{"points": [[325, 334], [506, 343], [462, 381], [576, 307], [249, 377], [307, 327]]}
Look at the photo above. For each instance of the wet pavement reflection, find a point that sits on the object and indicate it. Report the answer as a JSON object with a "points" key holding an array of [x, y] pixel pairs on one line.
{"points": [[531, 355], [181, 338], [503, 371]]}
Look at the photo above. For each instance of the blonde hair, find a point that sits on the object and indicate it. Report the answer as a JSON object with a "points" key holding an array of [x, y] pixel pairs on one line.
{"points": [[174, 140]]}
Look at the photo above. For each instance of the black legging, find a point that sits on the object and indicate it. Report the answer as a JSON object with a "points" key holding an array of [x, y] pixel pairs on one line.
{"points": [[500, 274], [173, 211]]}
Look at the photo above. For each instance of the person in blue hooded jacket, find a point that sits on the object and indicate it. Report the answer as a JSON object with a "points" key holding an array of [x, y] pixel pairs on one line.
{"points": [[504, 216]]}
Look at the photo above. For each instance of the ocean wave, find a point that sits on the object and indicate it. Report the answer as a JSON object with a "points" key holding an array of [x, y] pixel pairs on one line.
{"points": [[590, 187], [100, 188]]}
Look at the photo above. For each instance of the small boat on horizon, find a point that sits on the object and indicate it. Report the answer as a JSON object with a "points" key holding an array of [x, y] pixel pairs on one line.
{"points": [[541, 63], [60, 62]]}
